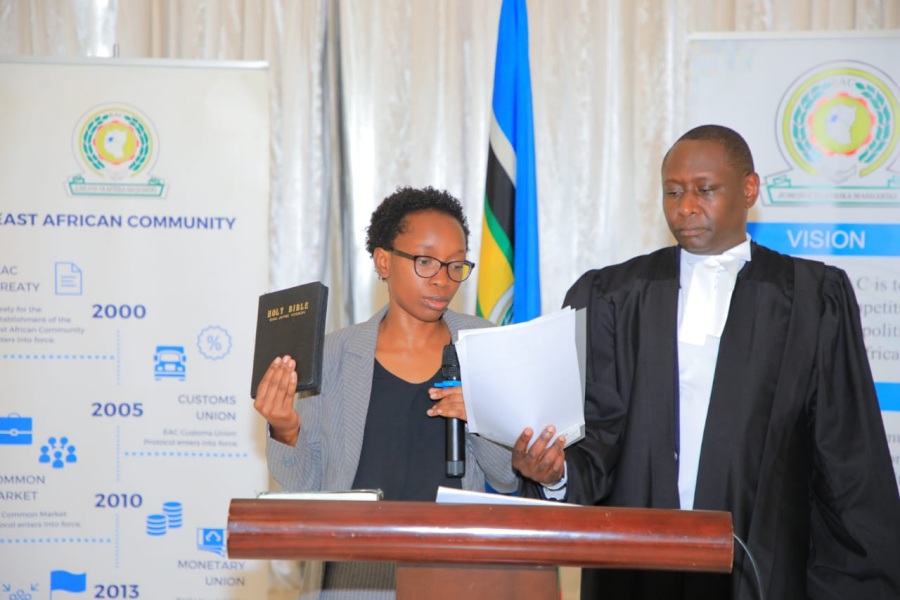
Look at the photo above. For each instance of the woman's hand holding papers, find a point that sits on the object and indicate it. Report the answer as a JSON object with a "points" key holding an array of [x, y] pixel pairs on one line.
{"points": [[542, 463], [275, 400]]}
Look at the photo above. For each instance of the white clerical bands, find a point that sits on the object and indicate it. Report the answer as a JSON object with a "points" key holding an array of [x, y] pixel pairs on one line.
{"points": [[708, 298]]}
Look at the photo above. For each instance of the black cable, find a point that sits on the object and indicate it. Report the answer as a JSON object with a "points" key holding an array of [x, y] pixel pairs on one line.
{"points": [[759, 587]]}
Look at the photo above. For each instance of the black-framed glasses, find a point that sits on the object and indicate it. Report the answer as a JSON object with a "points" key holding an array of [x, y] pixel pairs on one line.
{"points": [[428, 266]]}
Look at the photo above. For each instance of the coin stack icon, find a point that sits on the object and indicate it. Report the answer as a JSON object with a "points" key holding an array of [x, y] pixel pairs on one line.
{"points": [[172, 511], [156, 524]]}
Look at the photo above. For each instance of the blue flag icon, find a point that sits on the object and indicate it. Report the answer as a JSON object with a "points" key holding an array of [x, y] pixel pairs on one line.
{"points": [[68, 582]]}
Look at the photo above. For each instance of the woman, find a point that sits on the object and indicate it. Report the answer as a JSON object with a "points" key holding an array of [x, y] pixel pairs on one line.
{"points": [[373, 424]]}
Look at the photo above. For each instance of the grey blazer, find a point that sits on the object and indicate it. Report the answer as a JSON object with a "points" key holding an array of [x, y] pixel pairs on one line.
{"points": [[332, 422]]}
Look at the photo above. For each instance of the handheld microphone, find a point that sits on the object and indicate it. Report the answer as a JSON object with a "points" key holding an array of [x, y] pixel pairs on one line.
{"points": [[455, 429]]}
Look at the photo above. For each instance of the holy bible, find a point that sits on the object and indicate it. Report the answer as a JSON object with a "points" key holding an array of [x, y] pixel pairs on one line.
{"points": [[291, 321]]}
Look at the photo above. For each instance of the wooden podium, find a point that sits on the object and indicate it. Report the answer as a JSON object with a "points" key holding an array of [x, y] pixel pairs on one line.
{"points": [[493, 551]]}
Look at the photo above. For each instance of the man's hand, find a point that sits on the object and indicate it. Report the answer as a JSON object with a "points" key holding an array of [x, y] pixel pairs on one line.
{"points": [[275, 400], [541, 463]]}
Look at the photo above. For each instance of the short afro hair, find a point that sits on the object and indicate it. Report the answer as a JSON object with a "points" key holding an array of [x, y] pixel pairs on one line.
{"points": [[736, 148], [387, 220]]}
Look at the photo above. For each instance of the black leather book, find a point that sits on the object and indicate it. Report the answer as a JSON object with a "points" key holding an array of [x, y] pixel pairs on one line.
{"points": [[291, 321]]}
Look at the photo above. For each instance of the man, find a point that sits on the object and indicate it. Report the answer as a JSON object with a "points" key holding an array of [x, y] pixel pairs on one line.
{"points": [[725, 376]]}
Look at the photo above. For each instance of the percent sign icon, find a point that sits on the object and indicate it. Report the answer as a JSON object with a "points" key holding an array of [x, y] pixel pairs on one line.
{"points": [[214, 342]]}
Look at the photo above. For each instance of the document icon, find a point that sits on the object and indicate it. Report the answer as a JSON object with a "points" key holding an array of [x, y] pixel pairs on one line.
{"points": [[68, 279]]}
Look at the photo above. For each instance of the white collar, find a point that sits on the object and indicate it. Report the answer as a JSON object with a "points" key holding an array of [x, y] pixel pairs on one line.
{"points": [[741, 251]]}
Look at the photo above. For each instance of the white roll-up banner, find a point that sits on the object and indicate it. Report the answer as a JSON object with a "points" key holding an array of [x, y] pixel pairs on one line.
{"points": [[133, 249], [821, 113]]}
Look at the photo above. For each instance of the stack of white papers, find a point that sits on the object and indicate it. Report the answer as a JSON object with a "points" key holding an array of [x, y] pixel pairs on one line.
{"points": [[525, 375], [369, 495], [446, 495]]}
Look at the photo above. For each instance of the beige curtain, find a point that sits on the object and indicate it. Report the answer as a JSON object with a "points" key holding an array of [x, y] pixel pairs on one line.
{"points": [[368, 95]]}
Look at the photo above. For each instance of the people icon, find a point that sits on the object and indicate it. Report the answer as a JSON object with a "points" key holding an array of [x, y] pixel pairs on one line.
{"points": [[58, 452]]}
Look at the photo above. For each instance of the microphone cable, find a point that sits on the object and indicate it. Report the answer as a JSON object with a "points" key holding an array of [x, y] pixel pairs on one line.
{"points": [[759, 588]]}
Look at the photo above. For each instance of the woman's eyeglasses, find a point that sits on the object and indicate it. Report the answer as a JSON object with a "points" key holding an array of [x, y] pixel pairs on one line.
{"points": [[429, 266]]}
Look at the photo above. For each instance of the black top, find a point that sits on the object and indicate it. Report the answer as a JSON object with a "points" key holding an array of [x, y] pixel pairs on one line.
{"points": [[403, 448]]}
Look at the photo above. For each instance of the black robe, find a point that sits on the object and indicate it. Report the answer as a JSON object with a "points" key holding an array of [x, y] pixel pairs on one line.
{"points": [[794, 444]]}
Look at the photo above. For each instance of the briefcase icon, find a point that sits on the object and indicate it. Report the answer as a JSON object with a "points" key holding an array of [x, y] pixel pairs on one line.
{"points": [[15, 430]]}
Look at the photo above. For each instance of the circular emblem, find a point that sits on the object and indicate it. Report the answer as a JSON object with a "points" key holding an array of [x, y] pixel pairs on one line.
{"points": [[115, 142], [839, 121], [214, 342]]}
